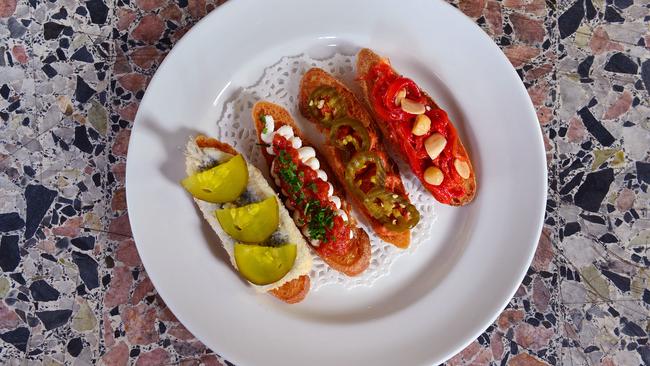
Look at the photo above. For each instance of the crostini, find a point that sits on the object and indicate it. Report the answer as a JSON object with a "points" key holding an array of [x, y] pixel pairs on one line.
{"points": [[418, 129], [254, 227], [311, 191], [355, 150]]}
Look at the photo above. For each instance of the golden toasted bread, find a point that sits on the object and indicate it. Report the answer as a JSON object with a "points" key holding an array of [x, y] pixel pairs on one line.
{"points": [[357, 258], [315, 78], [366, 59]]}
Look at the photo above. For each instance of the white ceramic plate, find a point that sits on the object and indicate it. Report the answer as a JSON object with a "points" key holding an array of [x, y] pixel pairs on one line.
{"points": [[436, 301]]}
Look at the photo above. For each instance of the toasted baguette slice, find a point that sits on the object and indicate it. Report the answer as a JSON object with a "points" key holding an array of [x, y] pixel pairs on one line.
{"points": [[315, 78], [202, 152], [357, 258], [366, 59]]}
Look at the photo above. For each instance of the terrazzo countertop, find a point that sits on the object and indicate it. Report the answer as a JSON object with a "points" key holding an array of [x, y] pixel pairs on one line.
{"points": [[72, 286]]}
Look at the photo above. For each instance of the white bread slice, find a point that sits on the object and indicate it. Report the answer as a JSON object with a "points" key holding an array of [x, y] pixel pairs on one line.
{"points": [[197, 159]]}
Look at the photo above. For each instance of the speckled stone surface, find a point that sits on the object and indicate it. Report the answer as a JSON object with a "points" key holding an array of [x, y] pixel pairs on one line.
{"points": [[74, 291]]}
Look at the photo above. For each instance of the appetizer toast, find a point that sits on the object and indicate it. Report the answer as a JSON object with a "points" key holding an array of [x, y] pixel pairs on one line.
{"points": [[311, 191], [254, 227], [354, 149], [418, 129]]}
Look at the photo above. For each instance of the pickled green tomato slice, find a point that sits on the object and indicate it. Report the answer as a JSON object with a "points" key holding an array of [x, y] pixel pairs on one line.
{"points": [[252, 223], [223, 183], [263, 265]]}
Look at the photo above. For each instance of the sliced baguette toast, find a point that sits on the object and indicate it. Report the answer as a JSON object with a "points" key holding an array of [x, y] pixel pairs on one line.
{"points": [[294, 286], [357, 258], [315, 78], [366, 59]]}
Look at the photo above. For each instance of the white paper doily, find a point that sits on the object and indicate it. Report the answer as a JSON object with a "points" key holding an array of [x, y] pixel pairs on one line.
{"points": [[280, 84]]}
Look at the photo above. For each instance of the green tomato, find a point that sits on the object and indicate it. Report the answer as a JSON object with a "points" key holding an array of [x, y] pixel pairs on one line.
{"points": [[252, 223], [264, 265], [223, 183]]}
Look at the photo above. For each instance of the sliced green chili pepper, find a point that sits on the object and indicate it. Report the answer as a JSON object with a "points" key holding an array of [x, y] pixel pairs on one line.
{"points": [[356, 174], [350, 139], [326, 104], [392, 210]]}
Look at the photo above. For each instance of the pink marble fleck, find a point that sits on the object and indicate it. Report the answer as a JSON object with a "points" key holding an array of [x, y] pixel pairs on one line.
{"points": [[184, 348], [118, 202], [109, 338], [509, 317], [469, 355], [496, 345], [494, 17], [127, 253], [531, 337], [70, 228], [210, 360], [7, 8], [121, 143], [541, 295], [48, 246], [625, 200], [544, 115], [544, 253], [527, 29], [600, 42], [538, 93], [536, 7], [179, 33], [128, 113], [520, 54], [132, 82], [148, 5], [576, 131], [122, 65], [472, 8], [180, 332], [8, 318], [118, 292], [158, 356], [197, 8], [524, 359], [143, 289], [117, 356], [145, 56], [139, 324], [119, 170], [119, 227], [622, 104], [538, 72], [171, 12], [149, 29], [19, 54], [167, 315], [125, 18]]}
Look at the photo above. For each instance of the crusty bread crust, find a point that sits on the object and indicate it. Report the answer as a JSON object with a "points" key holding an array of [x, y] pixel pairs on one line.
{"points": [[291, 292], [358, 257], [367, 59], [315, 78]]}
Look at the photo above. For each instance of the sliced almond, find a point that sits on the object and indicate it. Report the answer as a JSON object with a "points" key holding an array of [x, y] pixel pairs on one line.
{"points": [[462, 168], [433, 175], [422, 125], [412, 107], [434, 145], [400, 95]]}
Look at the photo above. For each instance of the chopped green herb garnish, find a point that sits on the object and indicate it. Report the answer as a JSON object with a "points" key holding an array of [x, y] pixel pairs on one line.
{"points": [[313, 187], [321, 219]]}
